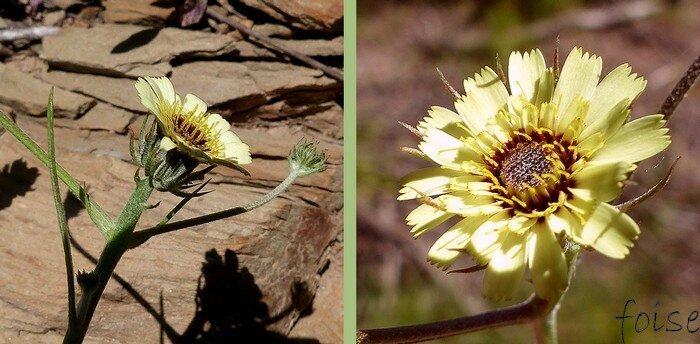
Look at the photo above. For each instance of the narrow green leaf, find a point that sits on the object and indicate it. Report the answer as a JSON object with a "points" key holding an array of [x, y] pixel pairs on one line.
{"points": [[61, 213]]}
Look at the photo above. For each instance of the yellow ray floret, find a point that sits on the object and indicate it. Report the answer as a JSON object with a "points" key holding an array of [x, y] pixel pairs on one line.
{"points": [[189, 128]]}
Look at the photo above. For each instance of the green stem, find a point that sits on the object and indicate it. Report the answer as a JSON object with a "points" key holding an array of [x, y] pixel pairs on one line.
{"points": [[98, 216], [117, 244], [549, 327], [518, 314], [547, 333], [61, 214], [681, 89], [532, 310], [143, 235]]}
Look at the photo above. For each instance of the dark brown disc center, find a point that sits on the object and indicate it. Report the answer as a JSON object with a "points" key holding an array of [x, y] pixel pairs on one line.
{"points": [[523, 163], [190, 132]]}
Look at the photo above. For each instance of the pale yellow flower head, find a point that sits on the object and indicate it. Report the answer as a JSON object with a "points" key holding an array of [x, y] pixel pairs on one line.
{"points": [[188, 127], [530, 166]]}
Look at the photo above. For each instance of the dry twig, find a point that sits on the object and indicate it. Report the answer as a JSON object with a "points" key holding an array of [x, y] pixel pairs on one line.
{"points": [[527, 311], [682, 87], [330, 71]]}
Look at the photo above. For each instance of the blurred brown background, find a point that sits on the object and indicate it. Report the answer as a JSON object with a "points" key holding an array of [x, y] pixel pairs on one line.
{"points": [[399, 46]]}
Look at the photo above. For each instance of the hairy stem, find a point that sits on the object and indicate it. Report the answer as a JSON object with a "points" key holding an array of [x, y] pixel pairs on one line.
{"points": [[143, 235], [117, 244], [534, 309], [527, 311], [682, 87], [547, 332]]}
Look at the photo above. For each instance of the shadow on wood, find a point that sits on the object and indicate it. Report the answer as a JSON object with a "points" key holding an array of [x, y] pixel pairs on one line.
{"points": [[229, 305], [16, 179], [72, 206]]}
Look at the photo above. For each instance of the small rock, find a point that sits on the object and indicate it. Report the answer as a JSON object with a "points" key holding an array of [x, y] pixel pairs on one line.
{"points": [[290, 91], [135, 12], [219, 28], [30, 64], [87, 16], [276, 78], [248, 50], [106, 117], [129, 50], [328, 122], [54, 18], [62, 4], [304, 14], [303, 105], [272, 30], [119, 92], [309, 47], [235, 87], [27, 94], [314, 47], [6, 110], [218, 84], [274, 143]]}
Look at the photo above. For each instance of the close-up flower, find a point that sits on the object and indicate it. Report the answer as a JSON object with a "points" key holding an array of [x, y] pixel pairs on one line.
{"points": [[529, 165], [189, 128]]}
